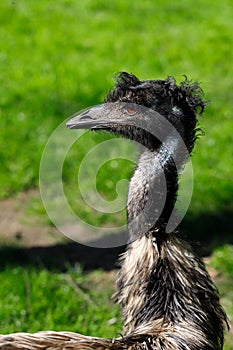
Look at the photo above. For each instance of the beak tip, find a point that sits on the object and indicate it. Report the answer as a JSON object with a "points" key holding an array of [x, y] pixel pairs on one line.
{"points": [[87, 119], [71, 123]]}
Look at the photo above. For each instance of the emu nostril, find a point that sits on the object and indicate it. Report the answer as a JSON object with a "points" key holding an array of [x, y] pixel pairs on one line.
{"points": [[85, 117]]}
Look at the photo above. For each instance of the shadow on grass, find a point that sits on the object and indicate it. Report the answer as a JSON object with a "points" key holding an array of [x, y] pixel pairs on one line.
{"points": [[205, 232], [60, 257], [209, 230]]}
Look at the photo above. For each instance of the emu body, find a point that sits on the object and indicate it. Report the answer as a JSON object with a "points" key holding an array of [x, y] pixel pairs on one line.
{"points": [[167, 296]]}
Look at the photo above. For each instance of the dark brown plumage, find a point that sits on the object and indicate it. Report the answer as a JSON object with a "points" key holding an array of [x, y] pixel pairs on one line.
{"points": [[163, 287]]}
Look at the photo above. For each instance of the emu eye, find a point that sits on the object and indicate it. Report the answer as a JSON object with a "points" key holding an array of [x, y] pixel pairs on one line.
{"points": [[131, 111]]}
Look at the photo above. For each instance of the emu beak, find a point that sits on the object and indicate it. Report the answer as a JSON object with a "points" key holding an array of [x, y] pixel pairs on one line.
{"points": [[96, 117], [102, 116]]}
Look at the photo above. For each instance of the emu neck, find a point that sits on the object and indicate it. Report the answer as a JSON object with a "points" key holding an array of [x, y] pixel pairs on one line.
{"points": [[152, 189]]}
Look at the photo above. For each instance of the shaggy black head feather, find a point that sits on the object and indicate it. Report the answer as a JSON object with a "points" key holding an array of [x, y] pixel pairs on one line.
{"points": [[165, 97]]}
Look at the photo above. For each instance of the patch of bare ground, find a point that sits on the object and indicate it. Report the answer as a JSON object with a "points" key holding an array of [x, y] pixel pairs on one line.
{"points": [[26, 238], [19, 228]]}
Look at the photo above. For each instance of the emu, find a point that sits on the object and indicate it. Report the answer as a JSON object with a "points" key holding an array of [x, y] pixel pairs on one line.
{"points": [[168, 299]]}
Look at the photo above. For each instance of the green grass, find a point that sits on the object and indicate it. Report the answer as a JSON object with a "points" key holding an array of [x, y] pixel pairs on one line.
{"points": [[33, 299], [222, 262], [59, 57], [37, 299]]}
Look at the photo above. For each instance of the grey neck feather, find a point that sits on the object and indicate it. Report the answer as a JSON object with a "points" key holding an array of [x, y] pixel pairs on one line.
{"points": [[153, 187]]}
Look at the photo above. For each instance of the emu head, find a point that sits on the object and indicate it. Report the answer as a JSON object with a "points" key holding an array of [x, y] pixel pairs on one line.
{"points": [[133, 109]]}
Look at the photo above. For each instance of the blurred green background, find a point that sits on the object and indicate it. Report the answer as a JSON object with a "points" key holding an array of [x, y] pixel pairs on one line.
{"points": [[59, 57]]}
